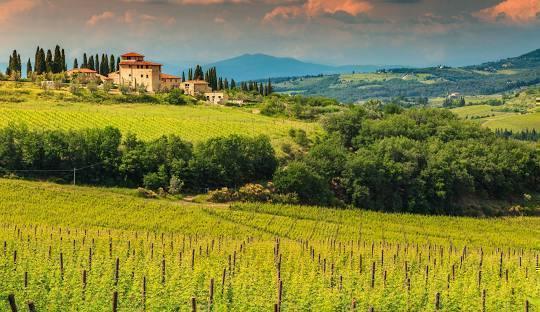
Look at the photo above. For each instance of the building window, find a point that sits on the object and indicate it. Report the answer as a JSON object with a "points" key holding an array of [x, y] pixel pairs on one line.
{"points": [[142, 76], [146, 76]]}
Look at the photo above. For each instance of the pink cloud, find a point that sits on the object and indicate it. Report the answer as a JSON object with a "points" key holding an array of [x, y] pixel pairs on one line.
{"points": [[10, 8], [515, 11], [98, 18], [313, 8]]}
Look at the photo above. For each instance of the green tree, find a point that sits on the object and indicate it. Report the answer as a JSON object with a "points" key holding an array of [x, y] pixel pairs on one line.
{"points": [[75, 64], [298, 178], [112, 65], [28, 68]]}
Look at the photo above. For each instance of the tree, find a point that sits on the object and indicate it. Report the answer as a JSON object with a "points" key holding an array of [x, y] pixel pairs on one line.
{"points": [[298, 178], [104, 69], [75, 64], [183, 76], [269, 89], [96, 64], [49, 63], [42, 62], [91, 64], [233, 84], [36, 61], [85, 61], [28, 68], [112, 65], [64, 64], [58, 63], [118, 64]]}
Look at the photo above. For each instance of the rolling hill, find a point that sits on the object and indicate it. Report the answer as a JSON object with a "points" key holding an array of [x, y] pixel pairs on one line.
{"points": [[484, 79], [262, 66]]}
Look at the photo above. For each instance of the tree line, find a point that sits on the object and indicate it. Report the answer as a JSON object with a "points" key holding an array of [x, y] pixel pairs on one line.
{"points": [[523, 135], [105, 157], [107, 65], [220, 83]]}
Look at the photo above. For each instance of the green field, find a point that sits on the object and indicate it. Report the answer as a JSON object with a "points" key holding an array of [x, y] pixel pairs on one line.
{"points": [[515, 122], [27, 104], [324, 259]]}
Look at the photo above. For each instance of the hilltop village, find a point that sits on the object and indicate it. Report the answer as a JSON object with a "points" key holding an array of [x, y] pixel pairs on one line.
{"points": [[135, 72]]}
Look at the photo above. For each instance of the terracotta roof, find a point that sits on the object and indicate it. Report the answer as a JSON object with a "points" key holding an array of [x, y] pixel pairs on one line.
{"points": [[131, 54], [197, 81], [133, 62], [82, 70], [167, 76]]}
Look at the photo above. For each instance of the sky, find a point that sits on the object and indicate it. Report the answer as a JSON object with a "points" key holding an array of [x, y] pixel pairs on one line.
{"points": [[335, 32]]}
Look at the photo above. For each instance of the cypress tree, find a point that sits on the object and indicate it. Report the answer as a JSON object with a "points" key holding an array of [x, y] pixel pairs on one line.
{"points": [[64, 66], [42, 61], [19, 63], [226, 84], [233, 84], [220, 84], [49, 63], [85, 61], [96, 64], [75, 64], [57, 61], [269, 87], [104, 69], [118, 64], [28, 68], [36, 60], [10, 64], [183, 76], [190, 74], [112, 66], [91, 62]]}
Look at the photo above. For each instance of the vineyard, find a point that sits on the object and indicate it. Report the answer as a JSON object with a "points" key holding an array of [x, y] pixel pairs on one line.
{"points": [[67, 248], [148, 121]]}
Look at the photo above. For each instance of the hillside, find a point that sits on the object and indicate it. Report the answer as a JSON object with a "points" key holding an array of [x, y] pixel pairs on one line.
{"points": [[262, 66], [488, 78], [84, 244], [58, 109]]}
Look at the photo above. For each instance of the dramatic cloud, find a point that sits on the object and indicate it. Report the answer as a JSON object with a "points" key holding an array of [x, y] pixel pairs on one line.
{"points": [[514, 11], [11, 8], [313, 8]]}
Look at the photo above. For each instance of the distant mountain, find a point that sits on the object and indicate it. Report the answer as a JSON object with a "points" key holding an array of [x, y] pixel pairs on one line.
{"points": [[261, 66]]}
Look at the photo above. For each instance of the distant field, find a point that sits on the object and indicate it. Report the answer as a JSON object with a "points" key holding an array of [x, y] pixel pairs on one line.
{"points": [[168, 253], [148, 121], [516, 122]]}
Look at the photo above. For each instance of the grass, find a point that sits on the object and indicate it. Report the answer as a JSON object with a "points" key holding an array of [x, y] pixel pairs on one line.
{"points": [[323, 257], [148, 121], [516, 122]]}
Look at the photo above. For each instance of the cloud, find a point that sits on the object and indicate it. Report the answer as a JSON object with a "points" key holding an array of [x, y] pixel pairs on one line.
{"points": [[313, 8], [96, 19], [10, 8], [512, 11]]}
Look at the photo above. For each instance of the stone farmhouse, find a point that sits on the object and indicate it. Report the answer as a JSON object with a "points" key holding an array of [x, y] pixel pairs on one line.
{"points": [[134, 71]]}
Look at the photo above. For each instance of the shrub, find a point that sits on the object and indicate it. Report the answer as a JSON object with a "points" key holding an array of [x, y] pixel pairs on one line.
{"points": [[223, 195], [175, 185], [254, 193], [142, 192], [176, 97]]}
